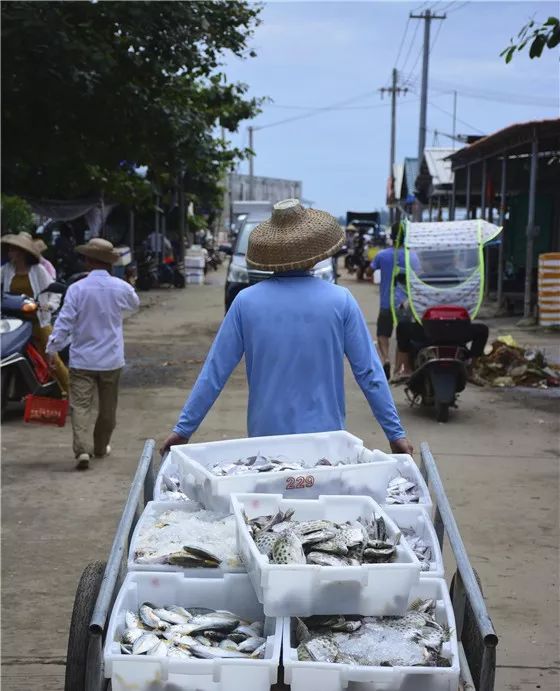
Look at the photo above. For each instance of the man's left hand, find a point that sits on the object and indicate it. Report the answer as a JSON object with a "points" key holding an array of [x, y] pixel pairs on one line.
{"points": [[402, 446]]}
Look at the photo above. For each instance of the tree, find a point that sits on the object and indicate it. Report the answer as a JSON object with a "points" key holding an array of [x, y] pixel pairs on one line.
{"points": [[545, 35], [16, 215], [91, 90]]}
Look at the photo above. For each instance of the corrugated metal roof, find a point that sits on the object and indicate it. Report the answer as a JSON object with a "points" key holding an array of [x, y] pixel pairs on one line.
{"points": [[516, 137], [438, 165]]}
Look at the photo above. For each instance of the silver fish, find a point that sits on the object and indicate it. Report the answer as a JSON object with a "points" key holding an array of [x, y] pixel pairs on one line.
{"points": [[251, 644], [213, 653], [145, 643], [150, 618], [159, 650], [131, 635], [228, 644]]}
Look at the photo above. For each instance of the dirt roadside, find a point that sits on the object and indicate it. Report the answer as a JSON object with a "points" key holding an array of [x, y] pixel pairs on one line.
{"points": [[498, 456]]}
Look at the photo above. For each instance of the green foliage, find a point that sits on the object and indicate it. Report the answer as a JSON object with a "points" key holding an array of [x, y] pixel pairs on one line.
{"points": [[92, 89], [546, 35], [16, 215]]}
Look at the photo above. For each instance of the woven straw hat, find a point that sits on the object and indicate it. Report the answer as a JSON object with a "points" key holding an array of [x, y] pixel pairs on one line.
{"points": [[23, 241], [293, 238], [99, 249], [40, 245]]}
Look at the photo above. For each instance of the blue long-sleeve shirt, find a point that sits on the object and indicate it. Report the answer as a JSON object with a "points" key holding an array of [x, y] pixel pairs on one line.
{"points": [[294, 330]]}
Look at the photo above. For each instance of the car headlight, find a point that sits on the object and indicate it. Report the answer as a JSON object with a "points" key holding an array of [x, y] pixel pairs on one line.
{"points": [[325, 272], [237, 274]]}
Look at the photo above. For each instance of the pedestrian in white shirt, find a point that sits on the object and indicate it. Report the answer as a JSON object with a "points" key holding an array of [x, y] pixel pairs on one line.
{"points": [[91, 320]]}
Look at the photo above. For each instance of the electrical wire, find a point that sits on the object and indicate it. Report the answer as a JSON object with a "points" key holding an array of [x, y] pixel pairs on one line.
{"points": [[464, 122], [459, 7], [402, 42], [411, 45], [409, 79]]}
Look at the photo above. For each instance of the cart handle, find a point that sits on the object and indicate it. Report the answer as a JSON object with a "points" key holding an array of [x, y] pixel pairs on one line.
{"points": [[143, 482]]}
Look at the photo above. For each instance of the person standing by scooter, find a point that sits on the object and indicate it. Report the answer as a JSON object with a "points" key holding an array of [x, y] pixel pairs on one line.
{"points": [[91, 320], [387, 261]]}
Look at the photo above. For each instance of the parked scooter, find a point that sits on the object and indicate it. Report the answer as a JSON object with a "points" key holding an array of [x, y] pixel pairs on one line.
{"points": [[440, 362], [23, 369]]}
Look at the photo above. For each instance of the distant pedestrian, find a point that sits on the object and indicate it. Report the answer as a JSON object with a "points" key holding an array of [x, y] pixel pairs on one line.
{"points": [[45, 263], [387, 261], [91, 320]]}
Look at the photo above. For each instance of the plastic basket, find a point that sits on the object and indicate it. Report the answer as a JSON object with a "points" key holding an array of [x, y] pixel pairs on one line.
{"points": [[48, 411]]}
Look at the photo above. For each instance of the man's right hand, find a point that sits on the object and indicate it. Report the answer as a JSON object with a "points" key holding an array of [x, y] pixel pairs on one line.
{"points": [[173, 440], [402, 445]]}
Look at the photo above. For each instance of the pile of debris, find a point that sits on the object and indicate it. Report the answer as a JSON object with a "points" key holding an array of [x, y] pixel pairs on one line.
{"points": [[505, 363]]}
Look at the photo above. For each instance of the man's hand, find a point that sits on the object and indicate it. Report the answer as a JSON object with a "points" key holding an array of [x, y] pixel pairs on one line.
{"points": [[402, 446], [172, 440]]}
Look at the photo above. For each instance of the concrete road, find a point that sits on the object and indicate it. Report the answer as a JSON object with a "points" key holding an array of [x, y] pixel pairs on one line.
{"points": [[498, 456]]}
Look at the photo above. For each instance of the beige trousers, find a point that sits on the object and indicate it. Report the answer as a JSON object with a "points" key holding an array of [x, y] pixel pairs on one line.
{"points": [[84, 384]]}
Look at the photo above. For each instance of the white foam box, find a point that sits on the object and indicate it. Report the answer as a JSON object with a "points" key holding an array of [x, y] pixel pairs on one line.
{"points": [[414, 517], [151, 514], [145, 673], [367, 473], [304, 676], [194, 279], [407, 467], [194, 262], [306, 589]]}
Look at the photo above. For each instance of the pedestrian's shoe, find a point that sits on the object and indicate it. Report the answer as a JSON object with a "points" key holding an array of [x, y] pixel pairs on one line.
{"points": [[106, 453], [387, 370], [82, 461]]}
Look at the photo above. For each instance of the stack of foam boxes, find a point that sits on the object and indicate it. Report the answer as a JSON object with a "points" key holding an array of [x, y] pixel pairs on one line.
{"points": [[277, 594], [195, 262]]}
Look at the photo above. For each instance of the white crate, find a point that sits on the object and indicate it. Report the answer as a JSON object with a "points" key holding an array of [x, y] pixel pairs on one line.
{"points": [[171, 467], [193, 462], [145, 673], [306, 589], [407, 467], [305, 676], [417, 518], [151, 514]]}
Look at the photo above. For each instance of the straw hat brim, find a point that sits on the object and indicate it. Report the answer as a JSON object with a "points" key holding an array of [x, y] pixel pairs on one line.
{"points": [[101, 255], [22, 244], [298, 243]]}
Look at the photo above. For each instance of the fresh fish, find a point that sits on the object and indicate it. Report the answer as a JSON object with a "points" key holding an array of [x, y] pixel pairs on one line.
{"points": [[228, 644], [160, 650], [178, 652], [133, 621], [213, 653], [265, 542], [249, 630], [170, 617], [335, 545], [259, 652], [171, 483], [150, 618], [181, 611], [145, 643], [321, 649], [416, 639], [304, 527], [131, 635], [402, 490], [126, 648], [251, 644], [204, 640], [323, 536], [325, 559], [288, 549]]}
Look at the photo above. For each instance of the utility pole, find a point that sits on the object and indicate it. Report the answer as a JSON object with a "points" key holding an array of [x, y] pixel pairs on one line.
{"points": [[427, 16], [454, 117], [251, 168], [394, 90]]}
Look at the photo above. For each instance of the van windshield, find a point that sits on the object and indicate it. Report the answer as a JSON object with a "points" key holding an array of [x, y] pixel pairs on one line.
{"points": [[243, 237]]}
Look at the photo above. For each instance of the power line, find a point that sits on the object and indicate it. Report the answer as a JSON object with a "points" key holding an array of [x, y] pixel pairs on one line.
{"points": [[464, 122], [459, 7], [409, 79], [402, 42], [411, 45]]}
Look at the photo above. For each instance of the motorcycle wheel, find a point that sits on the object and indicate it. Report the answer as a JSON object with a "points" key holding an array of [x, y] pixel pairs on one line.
{"points": [[442, 411]]}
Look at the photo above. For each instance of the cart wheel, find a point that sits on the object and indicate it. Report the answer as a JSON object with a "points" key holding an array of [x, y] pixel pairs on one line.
{"points": [[84, 602], [442, 411]]}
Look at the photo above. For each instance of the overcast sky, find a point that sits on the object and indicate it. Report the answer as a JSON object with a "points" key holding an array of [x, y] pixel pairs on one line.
{"points": [[315, 54]]}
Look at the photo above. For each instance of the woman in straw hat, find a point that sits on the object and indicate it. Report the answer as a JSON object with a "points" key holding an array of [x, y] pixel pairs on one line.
{"points": [[294, 330], [24, 275], [91, 320]]}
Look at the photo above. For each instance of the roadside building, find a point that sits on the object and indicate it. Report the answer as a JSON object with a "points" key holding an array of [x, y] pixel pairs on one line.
{"points": [[512, 177]]}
